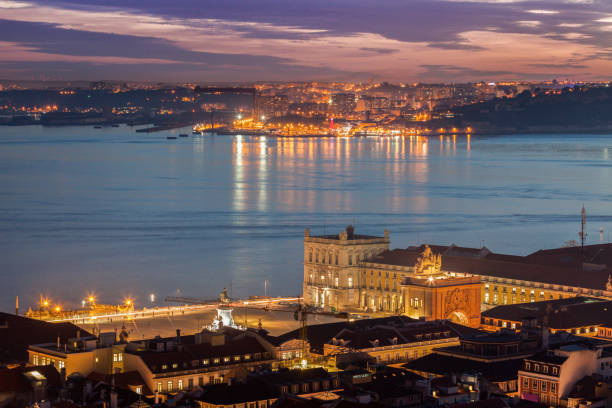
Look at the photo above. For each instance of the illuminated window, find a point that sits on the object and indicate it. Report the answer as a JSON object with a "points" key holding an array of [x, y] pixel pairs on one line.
{"points": [[226, 359], [486, 297], [120, 356], [115, 357], [61, 364], [236, 358], [336, 282], [205, 361], [159, 387], [553, 387], [138, 390], [555, 370], [216, 361], [170, 386], [175, 365], [180, 385], [35, 359], [350, 281]]}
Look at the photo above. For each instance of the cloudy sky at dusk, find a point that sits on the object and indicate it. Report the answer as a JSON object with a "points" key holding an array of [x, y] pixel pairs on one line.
{"points": [[246, 40]]}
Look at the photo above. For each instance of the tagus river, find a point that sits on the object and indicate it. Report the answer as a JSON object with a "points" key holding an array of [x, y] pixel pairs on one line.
{"points": [[122, 214]]}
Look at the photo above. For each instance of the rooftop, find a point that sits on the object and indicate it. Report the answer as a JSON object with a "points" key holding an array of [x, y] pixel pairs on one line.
{"points": [[438, 364], [557, 314], [17, 333], [554, 266]]}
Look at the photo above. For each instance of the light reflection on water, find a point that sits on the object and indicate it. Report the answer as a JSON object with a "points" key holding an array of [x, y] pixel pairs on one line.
{"points": [[124, 213]]}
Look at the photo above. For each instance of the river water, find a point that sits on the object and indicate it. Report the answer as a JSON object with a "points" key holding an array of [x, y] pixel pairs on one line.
{"points": [[121, 213]]}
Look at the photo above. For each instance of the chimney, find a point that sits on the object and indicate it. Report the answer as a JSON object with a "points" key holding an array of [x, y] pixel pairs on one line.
{"points": [[113, 400], [350, 232]]}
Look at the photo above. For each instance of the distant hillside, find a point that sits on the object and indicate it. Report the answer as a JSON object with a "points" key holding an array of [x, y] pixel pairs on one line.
{"points": [[577, 109]]}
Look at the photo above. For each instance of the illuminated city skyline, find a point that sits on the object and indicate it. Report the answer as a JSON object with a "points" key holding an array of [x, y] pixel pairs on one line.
{"points": [[441, 40]]}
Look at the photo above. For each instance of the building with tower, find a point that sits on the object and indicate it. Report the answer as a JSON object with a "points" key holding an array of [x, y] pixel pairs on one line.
{"points": [[351, 272]]}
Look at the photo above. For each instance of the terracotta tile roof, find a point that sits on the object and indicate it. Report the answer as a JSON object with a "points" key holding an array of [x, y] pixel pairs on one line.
{"points": [[545, 357], [319, 334], [123, 380], [559, 314], [439, 364], [238, 393], [17, 333], [542, 266], [14, 380], [192, 352]]}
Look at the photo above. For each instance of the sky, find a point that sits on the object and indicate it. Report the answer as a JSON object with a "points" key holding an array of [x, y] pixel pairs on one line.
{"points": [[295, 40]]}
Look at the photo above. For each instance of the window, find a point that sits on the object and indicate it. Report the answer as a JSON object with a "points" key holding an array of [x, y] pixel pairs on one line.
{"points": [[495, 300], [536, 368], [247, 357], [164, 366], [310, 256], [317, 256], [336, 282], [205, 361], [350, 281], [545, 369], [555, 370], [543, 386], [526, 383], [159, 387], [211, 379], [169, 386], [200, 381], [336, 258], [180, 385], [486, 297], [350, 259], [226, 359], [138, 390], [115, 359], [216, 361], [553, 387], [35, 359], [175, 365], [535, 385], [236, 358], [61, 364]]}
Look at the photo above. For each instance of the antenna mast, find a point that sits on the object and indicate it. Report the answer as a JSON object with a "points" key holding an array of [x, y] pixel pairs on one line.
{"points": [[582, 227]]}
